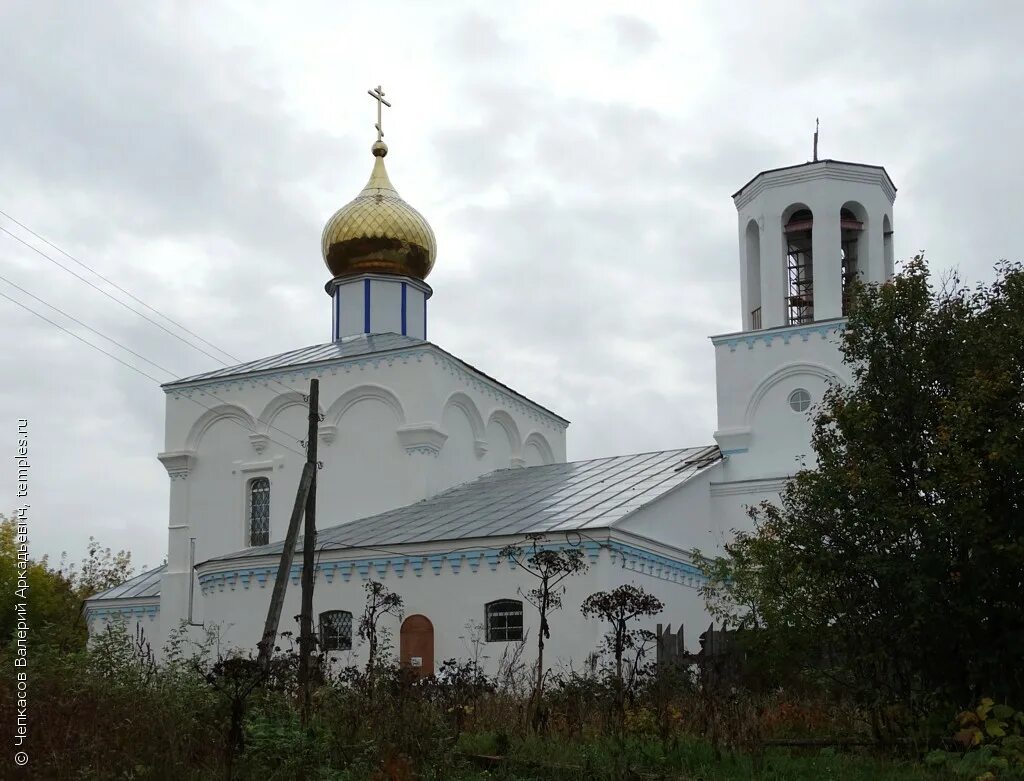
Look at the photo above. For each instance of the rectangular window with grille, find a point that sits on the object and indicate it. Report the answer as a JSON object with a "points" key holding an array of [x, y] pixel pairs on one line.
{"points": [[504, 620], [336, 630], [259, 511]]}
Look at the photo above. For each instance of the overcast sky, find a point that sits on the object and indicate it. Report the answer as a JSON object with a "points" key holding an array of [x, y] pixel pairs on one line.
{"points": [[576, 161]]}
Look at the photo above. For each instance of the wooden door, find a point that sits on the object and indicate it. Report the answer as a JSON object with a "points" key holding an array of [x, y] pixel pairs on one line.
{"points": [[416, 645]]}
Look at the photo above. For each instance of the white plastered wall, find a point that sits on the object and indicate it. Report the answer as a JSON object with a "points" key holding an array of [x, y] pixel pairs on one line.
{"points": [[451, 600], [396, 429]]}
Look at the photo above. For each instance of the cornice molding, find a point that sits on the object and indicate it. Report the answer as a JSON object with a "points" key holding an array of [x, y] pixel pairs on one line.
{"points": [[117, 610], [178, 463], [808, 172], [424, 438], [742, 487], [392, 279], [804, 333], [733, 440]]}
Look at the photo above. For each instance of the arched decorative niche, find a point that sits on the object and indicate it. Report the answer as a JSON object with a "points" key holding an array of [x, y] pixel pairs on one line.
{"points": [[467, 406], [213, 415], [279, 404], [503, 419], [361, 393], [537, 451], [787, 373]]}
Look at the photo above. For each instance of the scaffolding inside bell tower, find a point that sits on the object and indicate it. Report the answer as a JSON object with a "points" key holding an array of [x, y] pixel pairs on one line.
{"points": [[799, 269]]}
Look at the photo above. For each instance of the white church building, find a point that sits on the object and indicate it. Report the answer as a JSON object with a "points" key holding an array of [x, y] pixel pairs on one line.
{"points": [[430, 466]]}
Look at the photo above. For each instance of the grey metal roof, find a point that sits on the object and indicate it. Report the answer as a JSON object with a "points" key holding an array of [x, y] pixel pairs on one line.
{"points": [[145, 584], [348, 347], [554, 498], [815, 162]]}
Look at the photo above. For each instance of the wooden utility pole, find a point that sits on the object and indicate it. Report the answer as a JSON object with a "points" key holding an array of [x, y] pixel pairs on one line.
{"points": [[306, 639], [307, 489], [266, 645]]}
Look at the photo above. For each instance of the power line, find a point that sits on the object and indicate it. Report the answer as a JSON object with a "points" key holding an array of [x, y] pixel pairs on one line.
{"points": [[79, 338], [94, 286], [113, 284], [145, 374], [127, 349], [87, 327], [84, 265]]}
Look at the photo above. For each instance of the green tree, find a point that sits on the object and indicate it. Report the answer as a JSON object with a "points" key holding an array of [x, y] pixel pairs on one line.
{"points": [[895, 566], [55, 595]]}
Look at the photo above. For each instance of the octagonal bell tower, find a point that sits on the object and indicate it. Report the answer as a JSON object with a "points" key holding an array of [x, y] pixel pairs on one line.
{"points": [[805, 233]]}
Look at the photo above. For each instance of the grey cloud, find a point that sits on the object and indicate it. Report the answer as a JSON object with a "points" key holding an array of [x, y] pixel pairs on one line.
{"points": [[634, 34], [588, 246], [475, 38]]}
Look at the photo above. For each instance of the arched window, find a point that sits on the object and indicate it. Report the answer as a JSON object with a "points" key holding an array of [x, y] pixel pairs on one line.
{"points": [[336, 630], [504, 620], [754, 274], [799, 267], [851, 227], [259, 511]]}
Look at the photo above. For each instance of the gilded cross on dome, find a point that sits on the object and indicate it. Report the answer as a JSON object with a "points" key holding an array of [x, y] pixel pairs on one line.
{"points": [[378, 95]]}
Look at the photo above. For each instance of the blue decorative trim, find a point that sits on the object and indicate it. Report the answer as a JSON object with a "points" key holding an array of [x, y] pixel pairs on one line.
{"points": [[122, 613], [751, 338], [337, 313], [366, 306], [627, 556], [436, 562], [403, 310], [656, 565]]}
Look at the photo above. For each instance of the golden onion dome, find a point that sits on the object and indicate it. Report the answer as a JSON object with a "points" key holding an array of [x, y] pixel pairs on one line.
{"points": [[378, 232]]}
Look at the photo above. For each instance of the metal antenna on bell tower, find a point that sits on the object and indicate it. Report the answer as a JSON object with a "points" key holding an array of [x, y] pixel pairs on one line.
{"points": [[815, 139]]}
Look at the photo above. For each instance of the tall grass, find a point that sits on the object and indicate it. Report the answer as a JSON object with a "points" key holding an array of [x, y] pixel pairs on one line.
{"points": [[108, 712]]}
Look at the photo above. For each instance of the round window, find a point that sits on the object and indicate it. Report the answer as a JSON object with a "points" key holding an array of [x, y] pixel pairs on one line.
{"points": [[799, 400]]}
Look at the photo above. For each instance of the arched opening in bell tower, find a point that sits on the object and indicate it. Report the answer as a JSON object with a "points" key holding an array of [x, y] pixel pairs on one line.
{"points": [[754, 275], [852, 226], [887, 247], [798, 225]]}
